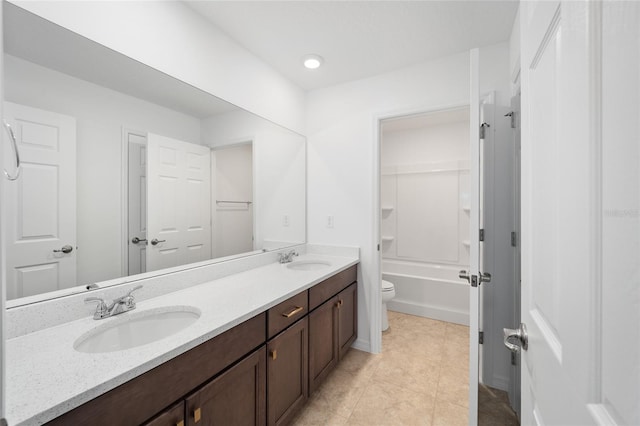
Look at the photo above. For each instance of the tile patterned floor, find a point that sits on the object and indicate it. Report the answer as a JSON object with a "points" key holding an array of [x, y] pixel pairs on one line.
{"points": [[419, 379]]}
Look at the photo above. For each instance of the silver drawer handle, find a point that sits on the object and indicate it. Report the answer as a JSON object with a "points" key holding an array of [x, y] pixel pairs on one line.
{"points": [[156, 241], [14, 145]]}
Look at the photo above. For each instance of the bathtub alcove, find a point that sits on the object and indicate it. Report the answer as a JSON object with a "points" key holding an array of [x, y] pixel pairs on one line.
{"points": [[425, 213]]}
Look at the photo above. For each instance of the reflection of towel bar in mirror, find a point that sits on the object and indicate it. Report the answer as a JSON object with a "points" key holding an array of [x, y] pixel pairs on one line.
{"points": [[234, 202]]}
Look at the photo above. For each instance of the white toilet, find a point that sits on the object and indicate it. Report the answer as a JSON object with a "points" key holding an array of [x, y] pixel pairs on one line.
{"points": [[388, 293]]}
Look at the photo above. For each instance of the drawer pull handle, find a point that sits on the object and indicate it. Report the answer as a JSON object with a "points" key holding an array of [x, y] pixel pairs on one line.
{"points": [[274, 354], [197, 415], [180, 423], [292, 312]]}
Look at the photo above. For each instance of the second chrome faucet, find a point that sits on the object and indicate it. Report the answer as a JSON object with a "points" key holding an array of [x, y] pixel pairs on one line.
{"points": [[118, 306]]}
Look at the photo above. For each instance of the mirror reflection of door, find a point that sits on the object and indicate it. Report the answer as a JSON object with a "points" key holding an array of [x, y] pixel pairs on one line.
{"points": [[178, 202], [232, 171], [137, 202], [41, 205]]}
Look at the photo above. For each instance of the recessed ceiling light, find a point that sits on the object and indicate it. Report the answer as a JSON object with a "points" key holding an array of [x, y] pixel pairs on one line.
{"points": [[312, 61]]}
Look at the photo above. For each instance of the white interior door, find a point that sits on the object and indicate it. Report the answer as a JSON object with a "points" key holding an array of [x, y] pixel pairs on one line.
{"points": [[41, 205], [178, 202], [580, 220], [474, 229], [136, 203]]}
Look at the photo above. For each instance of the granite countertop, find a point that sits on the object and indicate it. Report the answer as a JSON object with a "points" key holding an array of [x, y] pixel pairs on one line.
{"points": [[46, 376]]}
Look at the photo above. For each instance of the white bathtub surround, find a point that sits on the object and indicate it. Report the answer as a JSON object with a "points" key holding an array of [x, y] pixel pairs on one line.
{"points": [[424, 201], [432, 291], [47, 377]]}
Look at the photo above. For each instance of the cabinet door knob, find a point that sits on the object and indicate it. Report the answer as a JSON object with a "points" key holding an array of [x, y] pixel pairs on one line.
{"points": [[274, 354], [197, 415]]}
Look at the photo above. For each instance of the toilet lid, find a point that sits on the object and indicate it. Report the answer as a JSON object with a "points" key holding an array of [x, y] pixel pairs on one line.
{"points": [[386, 285]]}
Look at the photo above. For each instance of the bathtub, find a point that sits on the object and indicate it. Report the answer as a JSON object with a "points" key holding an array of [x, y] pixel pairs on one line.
{"points": [[427, 290]]}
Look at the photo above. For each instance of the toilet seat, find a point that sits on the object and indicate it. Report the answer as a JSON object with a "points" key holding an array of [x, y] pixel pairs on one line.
{"points": [[387, 286]]}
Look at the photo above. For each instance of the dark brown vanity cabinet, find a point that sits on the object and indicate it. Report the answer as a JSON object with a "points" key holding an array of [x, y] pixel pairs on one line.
{"points": [[258, 372], [172, 416], [287, 367], [333, 324], [236, 397]]}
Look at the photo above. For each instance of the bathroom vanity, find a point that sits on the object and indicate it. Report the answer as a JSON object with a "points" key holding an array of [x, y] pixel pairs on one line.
{"points": [[257, 368]]}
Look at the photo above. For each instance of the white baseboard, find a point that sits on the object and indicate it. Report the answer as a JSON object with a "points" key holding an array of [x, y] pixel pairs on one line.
{"points": [[434, 312], [362, 345]]}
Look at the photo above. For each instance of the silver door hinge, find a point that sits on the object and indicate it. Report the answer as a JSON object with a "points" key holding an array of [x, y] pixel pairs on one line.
{"points": [[514, 358], [512, 115], [481, 337], [514, 242], [481, 235], [482, 127], [378, 247]]}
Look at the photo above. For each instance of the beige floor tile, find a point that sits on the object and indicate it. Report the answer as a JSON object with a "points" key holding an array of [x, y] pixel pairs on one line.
{"points": [[448, 414], [361, 365], [385, 404], [312, 415], [339, 394], [409, 371], [453, 386]]}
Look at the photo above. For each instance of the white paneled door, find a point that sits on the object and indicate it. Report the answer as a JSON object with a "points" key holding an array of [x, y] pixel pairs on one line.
{"points": [[580, 212], [41, 205], [178, 202]]}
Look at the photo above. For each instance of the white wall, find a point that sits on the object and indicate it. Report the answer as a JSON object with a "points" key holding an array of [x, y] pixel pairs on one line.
{"points": [[279, 173], [101, 114], [169, 36], [341, 125]]}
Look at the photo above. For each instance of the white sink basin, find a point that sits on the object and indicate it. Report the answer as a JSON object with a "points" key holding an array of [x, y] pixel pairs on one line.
{"points": [[133, 329], [308, 265]]}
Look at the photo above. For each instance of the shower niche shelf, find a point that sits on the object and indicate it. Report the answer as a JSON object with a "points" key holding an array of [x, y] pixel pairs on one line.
{"points": [[388, 239], [387, 208]]}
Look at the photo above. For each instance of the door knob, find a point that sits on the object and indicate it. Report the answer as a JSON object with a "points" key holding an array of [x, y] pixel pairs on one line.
{"points": [[464, 275], [65, 249], [156, 241], [484, 277], [136, 240], [519, 335]]}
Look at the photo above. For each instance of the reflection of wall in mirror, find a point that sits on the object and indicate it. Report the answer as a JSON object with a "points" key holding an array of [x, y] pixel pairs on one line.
{"points": [[279, 174], [101, 114]]}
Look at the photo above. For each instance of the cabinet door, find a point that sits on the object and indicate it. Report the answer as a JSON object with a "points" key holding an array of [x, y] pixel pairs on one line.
{"points": [[287, 369], [172, 416], [323, 347], [347, 318], [237, 397]]}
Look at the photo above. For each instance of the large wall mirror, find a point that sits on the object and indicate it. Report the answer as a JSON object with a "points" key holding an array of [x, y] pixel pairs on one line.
{"points": [[128, 171]]}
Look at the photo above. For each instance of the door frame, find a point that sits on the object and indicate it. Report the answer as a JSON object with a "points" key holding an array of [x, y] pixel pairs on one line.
{"points": [[124, 197], [375, 327]]}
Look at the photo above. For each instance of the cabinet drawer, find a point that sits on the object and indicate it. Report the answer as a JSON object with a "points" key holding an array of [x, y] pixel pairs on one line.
{"points": [[286, 313], [172, 416], [331, 286]]}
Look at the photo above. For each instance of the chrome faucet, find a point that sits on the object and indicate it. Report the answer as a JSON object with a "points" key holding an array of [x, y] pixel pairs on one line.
{"points": [[287, 257], [118, 306]]}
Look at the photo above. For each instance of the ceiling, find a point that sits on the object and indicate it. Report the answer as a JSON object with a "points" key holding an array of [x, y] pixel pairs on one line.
{"points": [[357, 39]]}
